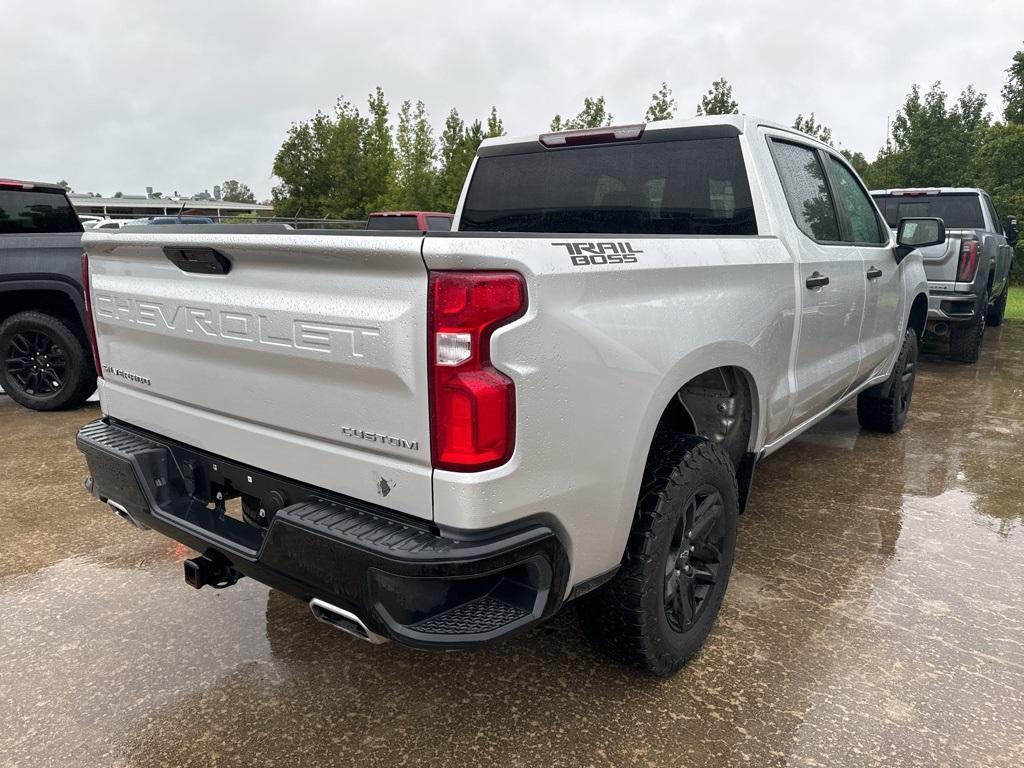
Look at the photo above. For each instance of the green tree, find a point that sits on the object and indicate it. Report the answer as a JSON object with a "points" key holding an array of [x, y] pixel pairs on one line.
{"points": [[1013, 91], [379, 152], [857, 160], [233, 191], [67, 187], [932, 144], [495, 127], [663, 106], [322, 166], [456, 154], [594, 114], [998, 168], [812, 128], [416, 178], [718, 100]]}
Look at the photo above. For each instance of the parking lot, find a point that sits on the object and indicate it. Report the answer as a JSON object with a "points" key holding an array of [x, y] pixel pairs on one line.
{"points": [[876, 617]]}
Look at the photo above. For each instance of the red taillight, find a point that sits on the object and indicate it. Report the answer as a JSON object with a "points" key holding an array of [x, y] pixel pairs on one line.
{"points": [[968, 261], [472, 404], [90, 325]]}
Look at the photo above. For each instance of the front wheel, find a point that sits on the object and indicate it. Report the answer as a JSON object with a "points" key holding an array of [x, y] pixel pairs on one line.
{"points": [[658, 609], [884, 408]]}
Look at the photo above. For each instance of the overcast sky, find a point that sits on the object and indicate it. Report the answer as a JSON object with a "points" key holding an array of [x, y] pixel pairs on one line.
{"points": [[117, 95]]}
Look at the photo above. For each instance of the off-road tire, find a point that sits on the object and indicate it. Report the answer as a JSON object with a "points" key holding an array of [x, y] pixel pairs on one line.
{"points": [[997, 311], [965, 338], [78, 374], [884, 408], [628, 618]]}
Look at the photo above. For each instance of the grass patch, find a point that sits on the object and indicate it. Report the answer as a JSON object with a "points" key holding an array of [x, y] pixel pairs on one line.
{"points": [[1015, 303]]}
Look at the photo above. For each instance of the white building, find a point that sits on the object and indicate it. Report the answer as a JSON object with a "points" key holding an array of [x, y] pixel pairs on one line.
{"points": [[132, 206]]}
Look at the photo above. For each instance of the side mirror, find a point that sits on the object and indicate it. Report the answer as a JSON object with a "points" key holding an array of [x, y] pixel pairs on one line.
{"points": [[1011, 230], [915, 233]]}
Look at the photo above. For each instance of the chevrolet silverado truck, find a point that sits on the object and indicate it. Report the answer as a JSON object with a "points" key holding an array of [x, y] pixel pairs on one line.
{"points": [[443, 438], [45, 359], [969, 274]]}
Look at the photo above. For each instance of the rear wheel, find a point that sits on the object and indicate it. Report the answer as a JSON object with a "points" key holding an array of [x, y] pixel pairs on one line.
{"points": [[998, 310], [965, 338], [44, 364], [884, 408], [659, 608]]}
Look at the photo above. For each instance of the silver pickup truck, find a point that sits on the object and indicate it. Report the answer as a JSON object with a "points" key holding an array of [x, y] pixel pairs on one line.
{"points": [[969, 274], [443, 438]]}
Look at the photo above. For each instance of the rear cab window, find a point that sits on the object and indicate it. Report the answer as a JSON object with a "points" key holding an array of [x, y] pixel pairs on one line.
{"points": [[393, 223], [439, 224], [36, 211], [666, 187], [958, 210]]}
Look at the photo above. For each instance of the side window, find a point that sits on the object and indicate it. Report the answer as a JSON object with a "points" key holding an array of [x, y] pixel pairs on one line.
{"points": [[997, 225], [803, 180], [864, 225], [439, 224]]}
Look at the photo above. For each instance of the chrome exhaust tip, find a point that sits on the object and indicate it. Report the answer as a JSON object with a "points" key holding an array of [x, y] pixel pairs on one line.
{"points": [[125, 515], [344, 620]]}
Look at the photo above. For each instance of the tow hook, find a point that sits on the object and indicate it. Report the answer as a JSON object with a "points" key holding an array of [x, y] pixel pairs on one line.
{"points": [[202, 571]]}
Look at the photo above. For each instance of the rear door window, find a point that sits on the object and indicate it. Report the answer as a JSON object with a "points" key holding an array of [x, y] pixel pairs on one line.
{"points": [[807, 192], [35, 211], [682, 187], [994, 215]]}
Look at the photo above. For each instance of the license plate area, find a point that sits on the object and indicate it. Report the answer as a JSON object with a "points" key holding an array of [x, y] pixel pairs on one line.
{"points": [[233, 505]]}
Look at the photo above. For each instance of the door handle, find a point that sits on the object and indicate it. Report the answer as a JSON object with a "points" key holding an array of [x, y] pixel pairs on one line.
{"points": [[816, 280], [874, 273]]}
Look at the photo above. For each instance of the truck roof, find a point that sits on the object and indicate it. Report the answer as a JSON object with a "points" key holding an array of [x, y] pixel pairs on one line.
{"points": [[19, 184], [741, 124], [928, 191], [410, 213]]}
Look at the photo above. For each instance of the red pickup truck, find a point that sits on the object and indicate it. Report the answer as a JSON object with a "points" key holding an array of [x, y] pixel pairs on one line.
{"points": [[422, 221]]}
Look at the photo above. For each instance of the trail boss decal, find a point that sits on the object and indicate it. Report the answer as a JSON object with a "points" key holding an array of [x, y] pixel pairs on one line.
{"points": [[587, 254]]}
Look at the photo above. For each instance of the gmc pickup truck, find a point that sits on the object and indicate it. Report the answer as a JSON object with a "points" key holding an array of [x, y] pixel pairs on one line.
{"points": [[969, 274], [45, 359], [443, 438]]}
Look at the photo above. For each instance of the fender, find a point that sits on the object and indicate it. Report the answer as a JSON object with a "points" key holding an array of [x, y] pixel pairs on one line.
{"points": [[717, 355], [54, 283]]}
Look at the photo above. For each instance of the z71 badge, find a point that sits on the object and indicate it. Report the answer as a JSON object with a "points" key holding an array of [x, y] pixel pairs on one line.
{"points": [[585, 254]]}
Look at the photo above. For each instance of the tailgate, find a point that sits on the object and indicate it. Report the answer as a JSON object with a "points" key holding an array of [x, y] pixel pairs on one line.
{"points": [[941, 261], [306, 359]]}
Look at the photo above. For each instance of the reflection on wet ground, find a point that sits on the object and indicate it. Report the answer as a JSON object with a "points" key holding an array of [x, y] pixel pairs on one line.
{"points": [[876, 617]]}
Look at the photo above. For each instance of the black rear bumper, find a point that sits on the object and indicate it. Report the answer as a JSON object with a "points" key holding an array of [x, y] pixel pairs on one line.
{"points": [[399, 575]]}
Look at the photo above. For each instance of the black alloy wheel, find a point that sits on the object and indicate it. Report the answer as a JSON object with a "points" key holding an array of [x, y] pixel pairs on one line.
{"points": [[36, 363], [694, 558]]}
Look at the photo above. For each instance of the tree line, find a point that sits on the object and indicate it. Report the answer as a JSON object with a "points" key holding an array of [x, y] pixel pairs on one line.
{"points": [[346, 163]]}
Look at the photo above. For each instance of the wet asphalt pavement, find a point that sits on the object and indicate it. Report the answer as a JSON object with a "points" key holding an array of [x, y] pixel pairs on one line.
{"points": [[876, 617]]}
